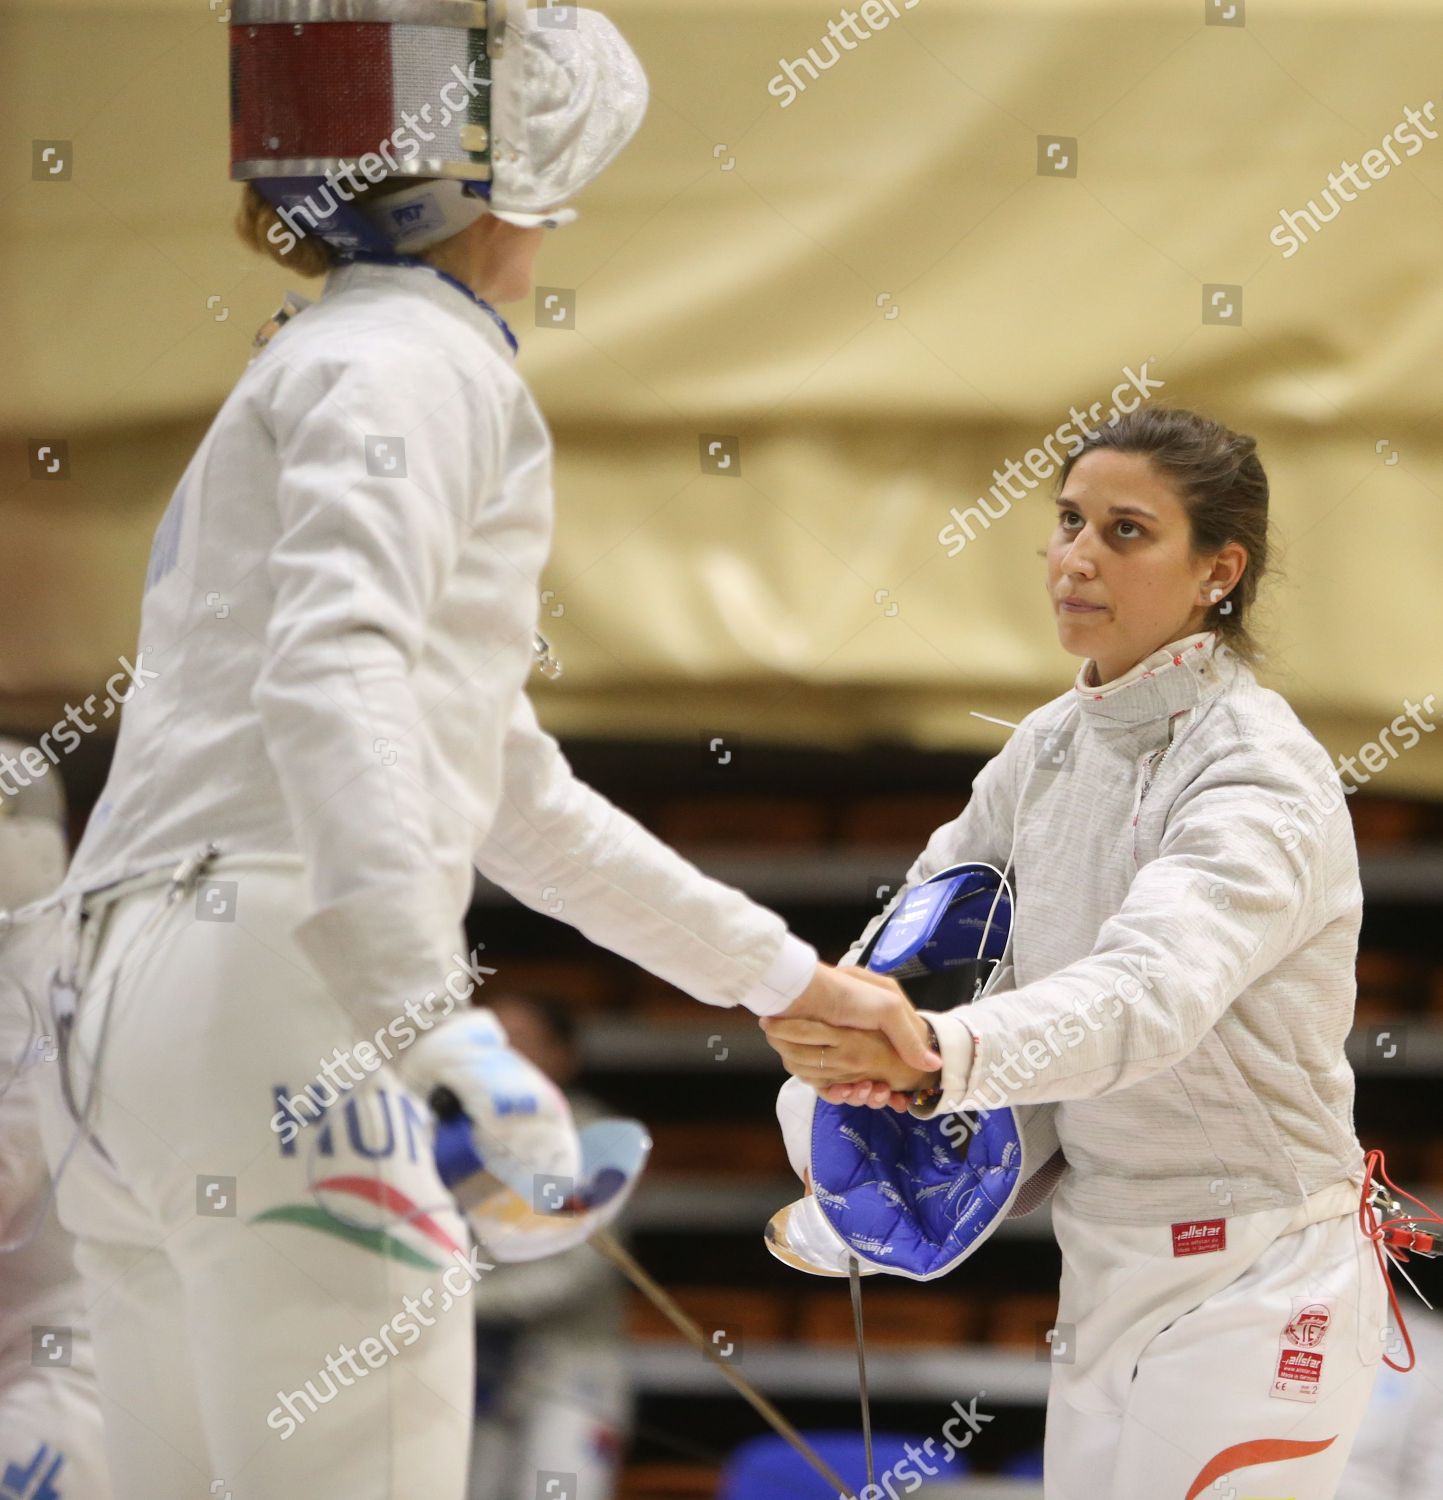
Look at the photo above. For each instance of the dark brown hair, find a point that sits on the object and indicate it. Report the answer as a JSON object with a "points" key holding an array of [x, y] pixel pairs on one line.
{"points": [[1222, 485]]}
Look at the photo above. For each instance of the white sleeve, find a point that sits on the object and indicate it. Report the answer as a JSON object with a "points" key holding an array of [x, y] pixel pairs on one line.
{"points": [[981, 832], [1225, 900], [562, 848], [365, 551]]}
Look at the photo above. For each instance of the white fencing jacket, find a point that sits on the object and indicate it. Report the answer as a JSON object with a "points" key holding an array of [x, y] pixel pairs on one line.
{"points": [[1182, 969], [340, 608]]}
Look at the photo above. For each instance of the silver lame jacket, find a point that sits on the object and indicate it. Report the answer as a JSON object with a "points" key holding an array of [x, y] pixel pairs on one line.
{"points": [[340, 612], [1184, 944]]}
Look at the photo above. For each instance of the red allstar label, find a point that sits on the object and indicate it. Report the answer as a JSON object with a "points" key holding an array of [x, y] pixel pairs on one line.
{"points": [[1199, 1237], [1299, 1372]]}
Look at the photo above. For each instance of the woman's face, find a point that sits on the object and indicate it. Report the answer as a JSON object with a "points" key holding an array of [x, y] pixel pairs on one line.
{"points": [[1120, 573]]}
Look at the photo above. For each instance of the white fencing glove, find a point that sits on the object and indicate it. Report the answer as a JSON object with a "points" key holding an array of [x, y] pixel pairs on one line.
{"points": [[521, 1121]]}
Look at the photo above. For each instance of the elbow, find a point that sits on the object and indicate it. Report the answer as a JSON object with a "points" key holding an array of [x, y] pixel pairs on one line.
{"points": [[1144, 1041], [285, 685], [298, 663]]}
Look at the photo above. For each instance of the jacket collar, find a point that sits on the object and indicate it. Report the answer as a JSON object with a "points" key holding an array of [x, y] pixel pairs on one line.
{"points": [[1174, 678], [424, 281]]}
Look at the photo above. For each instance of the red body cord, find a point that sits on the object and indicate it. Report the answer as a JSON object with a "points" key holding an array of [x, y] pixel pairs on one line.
{"points": [[1399, 1237]]}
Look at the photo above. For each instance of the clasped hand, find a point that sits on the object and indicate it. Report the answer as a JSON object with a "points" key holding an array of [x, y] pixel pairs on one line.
{"points": [[855, 1037]]}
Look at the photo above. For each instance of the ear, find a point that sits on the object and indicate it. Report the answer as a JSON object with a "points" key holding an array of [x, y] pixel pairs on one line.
{"points": [[1228, 566]]}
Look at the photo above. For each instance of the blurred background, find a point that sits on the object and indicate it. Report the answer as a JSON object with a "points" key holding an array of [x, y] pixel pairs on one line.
{"points": [[829, 294]]}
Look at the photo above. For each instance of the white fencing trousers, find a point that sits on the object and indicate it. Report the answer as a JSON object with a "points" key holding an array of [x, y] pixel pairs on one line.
{"points": [[51, 1442], [558, 1427], [1192, 1372], [270, 1318], [51, 1446]]}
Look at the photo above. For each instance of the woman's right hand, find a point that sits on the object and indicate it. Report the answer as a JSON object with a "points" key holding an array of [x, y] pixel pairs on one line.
{"points": [[863, 1001]]}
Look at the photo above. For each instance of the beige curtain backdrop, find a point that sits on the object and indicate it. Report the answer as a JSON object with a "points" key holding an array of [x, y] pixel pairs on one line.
{"points": [[876, 293]]}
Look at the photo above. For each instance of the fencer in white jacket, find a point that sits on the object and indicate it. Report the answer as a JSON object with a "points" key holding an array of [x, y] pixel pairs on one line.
{"points": [[1178, 989], [327, 731]]}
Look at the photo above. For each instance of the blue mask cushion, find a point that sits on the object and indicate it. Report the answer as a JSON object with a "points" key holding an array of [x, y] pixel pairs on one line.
{"points": [[906, 1195], [901, 1194]]}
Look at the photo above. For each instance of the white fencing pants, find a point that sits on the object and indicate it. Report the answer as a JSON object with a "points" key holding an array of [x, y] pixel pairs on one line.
{"points": [[271, 1318], [1189, 1372], [558, 1426], [51, 1444], [51, 1440]]}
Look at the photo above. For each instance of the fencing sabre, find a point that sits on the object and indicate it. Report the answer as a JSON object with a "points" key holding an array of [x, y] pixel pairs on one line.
{"points": [[608, 1246], [854, 1277]]}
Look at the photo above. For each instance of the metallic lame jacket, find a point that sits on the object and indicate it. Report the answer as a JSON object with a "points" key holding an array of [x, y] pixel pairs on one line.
{"points": [[340, 612], [1181, 976]]}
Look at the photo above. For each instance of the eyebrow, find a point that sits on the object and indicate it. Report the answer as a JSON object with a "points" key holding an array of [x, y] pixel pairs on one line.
{"points": [[1112, 510]]}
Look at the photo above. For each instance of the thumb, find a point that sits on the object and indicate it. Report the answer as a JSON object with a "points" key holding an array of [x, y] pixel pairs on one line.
{"points": [[888, 1010], [909, 1041]]}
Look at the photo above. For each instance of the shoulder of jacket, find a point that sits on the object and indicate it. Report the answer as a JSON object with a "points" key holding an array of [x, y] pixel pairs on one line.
{"points": [[1052, 713], [1261, 727], [1010, 758], [402, 363], [419, 336], [1040, 721], [1255, 745]]}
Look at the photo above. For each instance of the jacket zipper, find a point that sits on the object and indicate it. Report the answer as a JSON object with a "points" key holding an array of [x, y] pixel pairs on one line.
{"points": [[1151, 773], [1151, 767]]}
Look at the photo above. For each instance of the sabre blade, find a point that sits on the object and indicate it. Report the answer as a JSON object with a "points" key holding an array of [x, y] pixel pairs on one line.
{"points": [[607, 1245], [854, 1274]]}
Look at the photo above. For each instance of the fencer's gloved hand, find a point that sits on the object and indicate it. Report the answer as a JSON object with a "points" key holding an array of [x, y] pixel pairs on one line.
{"points": [[521, 1120]]}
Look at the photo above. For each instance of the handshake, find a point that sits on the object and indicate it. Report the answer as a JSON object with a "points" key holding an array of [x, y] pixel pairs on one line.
{"points": [[854, 1037], [851, 1035]]}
